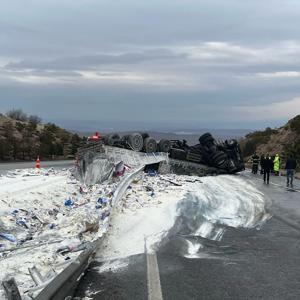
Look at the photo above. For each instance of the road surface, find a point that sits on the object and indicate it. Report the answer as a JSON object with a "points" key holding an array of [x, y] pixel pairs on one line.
{"points": [[246, 264]]}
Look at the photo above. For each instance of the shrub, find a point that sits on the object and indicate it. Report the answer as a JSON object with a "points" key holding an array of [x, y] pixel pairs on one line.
{"points": [[295, 124], [255, 139], [34, 121]]}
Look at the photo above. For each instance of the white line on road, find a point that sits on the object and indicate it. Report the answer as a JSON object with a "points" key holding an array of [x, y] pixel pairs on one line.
{"points": [[153, 279], [154, 287]]}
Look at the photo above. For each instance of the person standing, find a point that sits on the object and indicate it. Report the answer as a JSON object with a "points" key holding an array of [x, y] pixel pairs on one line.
{"points": [[255, 163], [276, 162], [267, 165], [262, 159], [290, 167]]}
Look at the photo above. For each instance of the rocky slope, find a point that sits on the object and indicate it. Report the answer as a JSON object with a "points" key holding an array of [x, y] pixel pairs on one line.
{"points": [[284, 141], [25, 138]]}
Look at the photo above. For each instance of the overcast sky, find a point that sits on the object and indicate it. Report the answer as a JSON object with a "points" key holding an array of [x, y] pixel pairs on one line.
{"points": [[151, 64]]}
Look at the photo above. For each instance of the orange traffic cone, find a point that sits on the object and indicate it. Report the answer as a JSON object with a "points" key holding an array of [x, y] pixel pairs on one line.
{"points": [[38, 163], [77, 162]]}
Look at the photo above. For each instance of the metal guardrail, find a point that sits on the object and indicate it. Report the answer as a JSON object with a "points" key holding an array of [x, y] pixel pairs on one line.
{"points": [[119, 192], [64, 284]]}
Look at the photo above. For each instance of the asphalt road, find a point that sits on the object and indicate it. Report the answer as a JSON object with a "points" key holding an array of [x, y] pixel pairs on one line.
{"points": [[246, 264], [4, 167]]}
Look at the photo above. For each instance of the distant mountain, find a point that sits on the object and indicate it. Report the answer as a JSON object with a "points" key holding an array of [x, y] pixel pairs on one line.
{"points": [[191, 136], [284, 140], [86, 128]]}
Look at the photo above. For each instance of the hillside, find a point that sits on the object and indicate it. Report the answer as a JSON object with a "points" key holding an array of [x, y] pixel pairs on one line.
{"points": [[284, 141], [25, 138]]}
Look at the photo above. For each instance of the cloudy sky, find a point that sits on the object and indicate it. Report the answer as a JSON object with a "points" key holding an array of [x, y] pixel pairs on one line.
{"points": [[151, 64]]}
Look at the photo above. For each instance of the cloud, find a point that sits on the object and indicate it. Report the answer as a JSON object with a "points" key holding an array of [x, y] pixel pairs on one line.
{"points": [[283, 110], [283, 74], [93, 61], [211, 65], [196, 60], [207, 54], [219, 53]]}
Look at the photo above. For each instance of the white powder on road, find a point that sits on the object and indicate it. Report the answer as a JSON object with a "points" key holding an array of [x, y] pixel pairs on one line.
{"points": [[33, 211], [113, 265], [148, 211], [131, 229], [206, 207]]}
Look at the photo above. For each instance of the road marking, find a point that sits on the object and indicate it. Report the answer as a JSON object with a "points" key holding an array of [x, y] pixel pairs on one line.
{"points": [[153, 280]]}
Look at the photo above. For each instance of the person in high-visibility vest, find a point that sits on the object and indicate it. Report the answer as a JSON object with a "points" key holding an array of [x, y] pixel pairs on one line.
{"points": [[276, 164]]}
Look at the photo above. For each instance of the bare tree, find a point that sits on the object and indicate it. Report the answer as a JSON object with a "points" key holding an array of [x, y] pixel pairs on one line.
{"points": [[17, 114]]}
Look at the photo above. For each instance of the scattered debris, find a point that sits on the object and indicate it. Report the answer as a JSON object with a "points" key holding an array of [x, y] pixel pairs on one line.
{"points": [[48, 220]]}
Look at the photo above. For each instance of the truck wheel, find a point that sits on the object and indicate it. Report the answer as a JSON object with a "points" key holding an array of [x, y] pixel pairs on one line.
{"points": [[150, 145], [145, 135], [112, 138], [124, 138], [105, 140], [177, 154], [164, 145], [135, 141], [206, 138], [218, 159], [231, 144]]}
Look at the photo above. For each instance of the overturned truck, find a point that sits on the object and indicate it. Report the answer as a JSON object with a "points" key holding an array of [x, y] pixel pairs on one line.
{"points": [[208, 157]]}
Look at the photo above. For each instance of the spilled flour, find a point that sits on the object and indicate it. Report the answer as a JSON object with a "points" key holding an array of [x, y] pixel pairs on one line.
{"points": [[133, 231], [113, 265], [200, 208]]}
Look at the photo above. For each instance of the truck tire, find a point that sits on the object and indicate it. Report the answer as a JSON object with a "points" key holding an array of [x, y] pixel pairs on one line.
{"points": [[178, 154], [124, 138], [105, 139], [206, 138], [150, 145], [231, 144], [135, 141], [145, 135], [164, 145], [219, 159], [112, 138], [231, 166]]}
